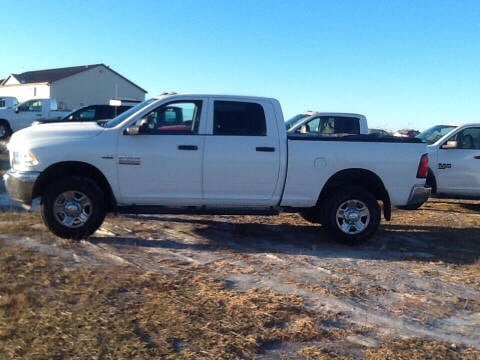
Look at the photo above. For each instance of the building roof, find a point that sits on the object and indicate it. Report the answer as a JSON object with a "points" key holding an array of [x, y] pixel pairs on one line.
{"points": [[52, 75]]}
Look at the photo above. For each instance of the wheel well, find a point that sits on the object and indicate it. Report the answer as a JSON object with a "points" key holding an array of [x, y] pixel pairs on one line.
{"points": [[69, 168], [358, 177], [6, 122]]}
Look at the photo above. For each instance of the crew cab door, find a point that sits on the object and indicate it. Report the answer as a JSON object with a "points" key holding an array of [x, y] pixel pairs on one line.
{"points": [[242, 155], [162, 164], [458, 166]]}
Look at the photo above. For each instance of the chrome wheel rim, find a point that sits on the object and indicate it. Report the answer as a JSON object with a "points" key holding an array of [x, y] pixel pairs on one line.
{"points": [[72, 209], [353, 217]]}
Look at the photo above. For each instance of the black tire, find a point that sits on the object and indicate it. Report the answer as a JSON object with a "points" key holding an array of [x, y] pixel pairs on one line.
{"points": [[86, 207], [5, 129], [352, 215], [316, 215], [311, 215]]}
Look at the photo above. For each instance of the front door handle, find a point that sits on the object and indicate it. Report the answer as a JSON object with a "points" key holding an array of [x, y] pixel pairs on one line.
{"points": [[187, 147], [477, 157], [265, 149]]}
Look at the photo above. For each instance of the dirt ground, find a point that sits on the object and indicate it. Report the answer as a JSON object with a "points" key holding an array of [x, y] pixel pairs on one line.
{"points": [[418, 278]]}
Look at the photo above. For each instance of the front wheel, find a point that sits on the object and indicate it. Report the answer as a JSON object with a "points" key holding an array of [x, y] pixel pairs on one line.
{"points": [[73, 207], [353, 215]]}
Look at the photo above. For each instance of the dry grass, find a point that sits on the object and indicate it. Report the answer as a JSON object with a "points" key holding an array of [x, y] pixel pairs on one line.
{"points": [[23, 224], [418, 349], [50, 311], [398, 349]]}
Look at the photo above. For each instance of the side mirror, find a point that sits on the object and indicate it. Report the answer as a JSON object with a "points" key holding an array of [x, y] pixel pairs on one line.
{"points": [[141, 127], [452, 144], [132, 130], [16, 109]]}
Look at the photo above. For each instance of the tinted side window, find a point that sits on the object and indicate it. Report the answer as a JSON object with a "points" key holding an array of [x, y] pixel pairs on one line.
{"points": [[331, 125], [239, 118], [104, 112], [339, 125], [87, 114]]}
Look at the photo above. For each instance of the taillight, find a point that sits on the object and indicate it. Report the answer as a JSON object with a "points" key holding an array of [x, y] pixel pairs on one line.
{"points": [[423, 167]]}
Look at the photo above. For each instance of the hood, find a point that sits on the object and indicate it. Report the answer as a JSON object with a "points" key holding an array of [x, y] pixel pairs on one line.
{"points": [[56, 132]]}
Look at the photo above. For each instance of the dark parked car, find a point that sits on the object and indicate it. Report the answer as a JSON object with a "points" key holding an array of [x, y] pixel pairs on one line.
{"points": [[96, 112], [100, 113]]}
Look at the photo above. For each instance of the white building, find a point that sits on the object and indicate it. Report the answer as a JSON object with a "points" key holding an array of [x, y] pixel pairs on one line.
{"points": [[73, 87]]}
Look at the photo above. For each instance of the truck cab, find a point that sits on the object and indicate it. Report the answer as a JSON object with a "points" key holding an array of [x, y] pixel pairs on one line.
{"points": [[454, 152]]}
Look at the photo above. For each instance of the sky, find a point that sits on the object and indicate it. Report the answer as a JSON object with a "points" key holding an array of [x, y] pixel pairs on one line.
{"points": [[403, 64]]}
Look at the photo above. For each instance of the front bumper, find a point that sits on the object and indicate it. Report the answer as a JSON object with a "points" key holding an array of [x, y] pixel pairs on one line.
{"points": [[19, 185], [419, 194]]}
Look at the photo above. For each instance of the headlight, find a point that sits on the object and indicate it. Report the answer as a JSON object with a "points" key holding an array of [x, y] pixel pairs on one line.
{"points": [[23, 160]]}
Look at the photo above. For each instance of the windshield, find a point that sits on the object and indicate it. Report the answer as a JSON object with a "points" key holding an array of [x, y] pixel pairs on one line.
{"points": [[434, 133], [292, 121], [115, 121]]}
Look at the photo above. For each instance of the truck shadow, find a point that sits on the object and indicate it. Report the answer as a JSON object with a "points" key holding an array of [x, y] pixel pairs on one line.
{"points": [[391, 243], [471, 207], [458, 205]]}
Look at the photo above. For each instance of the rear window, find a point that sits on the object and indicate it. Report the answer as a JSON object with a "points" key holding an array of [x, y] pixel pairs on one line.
{"points": [[239, 119]]}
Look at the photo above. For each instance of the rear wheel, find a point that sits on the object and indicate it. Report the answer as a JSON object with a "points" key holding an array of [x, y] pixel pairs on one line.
{"points": [[73, 207], [5, 129], [352, 215]]}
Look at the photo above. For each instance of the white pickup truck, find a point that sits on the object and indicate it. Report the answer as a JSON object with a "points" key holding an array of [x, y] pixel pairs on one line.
{"points": [[211, 154], [454, 152], [23, 115]]}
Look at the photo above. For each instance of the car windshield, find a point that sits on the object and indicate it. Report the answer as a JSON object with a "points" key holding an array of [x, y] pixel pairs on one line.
{"points": [[434, 133], [117, 120], [292, 121]]}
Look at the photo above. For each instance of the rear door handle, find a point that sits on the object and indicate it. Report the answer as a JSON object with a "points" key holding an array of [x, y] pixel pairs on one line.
{"points": [[477, 157], [265, 149], [187, 147]]}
